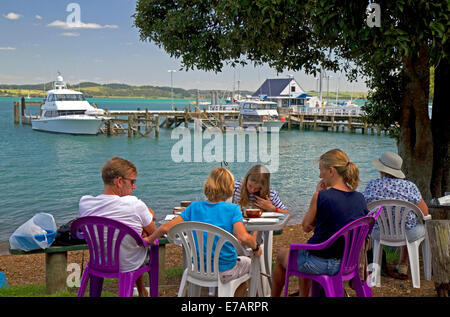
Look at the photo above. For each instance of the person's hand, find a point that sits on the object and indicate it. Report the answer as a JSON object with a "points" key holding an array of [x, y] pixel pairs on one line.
{"points": [[150, 240], [321, 186], [258, 253], [264, 204]]}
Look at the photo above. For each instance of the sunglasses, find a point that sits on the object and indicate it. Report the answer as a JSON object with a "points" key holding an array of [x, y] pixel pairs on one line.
{"points": [[132, 181]]}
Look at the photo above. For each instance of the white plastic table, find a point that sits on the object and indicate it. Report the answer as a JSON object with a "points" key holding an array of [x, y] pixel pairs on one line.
{"points": [[261, 280]]}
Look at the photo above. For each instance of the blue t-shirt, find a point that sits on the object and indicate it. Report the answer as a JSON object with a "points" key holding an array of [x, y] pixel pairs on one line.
{"points": [[335, 209], [221, 214]]}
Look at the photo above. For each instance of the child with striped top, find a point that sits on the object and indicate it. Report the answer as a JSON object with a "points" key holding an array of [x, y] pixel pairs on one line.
{"points": [[254, 191]]}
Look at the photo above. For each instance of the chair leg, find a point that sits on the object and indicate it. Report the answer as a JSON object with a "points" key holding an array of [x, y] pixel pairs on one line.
{"points": [[182, 290], [316, 290], [413, 254], [126, 284], [334, 288], [361, 289], [83, 284], [376, 259], [154, 272], [426, 256], [96, 286]]}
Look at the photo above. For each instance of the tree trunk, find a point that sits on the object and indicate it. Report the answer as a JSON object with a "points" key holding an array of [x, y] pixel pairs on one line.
{"points": [[415, 144], [440, 123]]}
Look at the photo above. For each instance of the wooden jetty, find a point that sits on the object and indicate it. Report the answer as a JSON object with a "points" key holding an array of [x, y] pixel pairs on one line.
{"points": [[143, 122]]}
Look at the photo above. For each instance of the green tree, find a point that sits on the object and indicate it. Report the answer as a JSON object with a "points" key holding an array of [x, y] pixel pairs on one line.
{"points": [[308, 35]]}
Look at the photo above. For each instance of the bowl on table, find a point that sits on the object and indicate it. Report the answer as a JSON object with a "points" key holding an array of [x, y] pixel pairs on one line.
{"points": [[185, 203], [178, 210], [253, 213]]}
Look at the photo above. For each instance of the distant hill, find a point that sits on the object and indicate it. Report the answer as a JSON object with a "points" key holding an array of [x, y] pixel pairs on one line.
{"points": [[95, 90]]}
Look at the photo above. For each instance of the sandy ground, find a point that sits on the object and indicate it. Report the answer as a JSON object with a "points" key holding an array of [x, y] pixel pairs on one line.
{"points": [[30, 269]]}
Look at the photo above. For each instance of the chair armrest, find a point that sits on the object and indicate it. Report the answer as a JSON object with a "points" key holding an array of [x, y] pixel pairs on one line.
{"points": [[305, 246]]}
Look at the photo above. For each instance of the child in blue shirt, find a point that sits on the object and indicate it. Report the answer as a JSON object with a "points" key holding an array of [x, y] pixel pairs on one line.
{"points": [[218, 188]]}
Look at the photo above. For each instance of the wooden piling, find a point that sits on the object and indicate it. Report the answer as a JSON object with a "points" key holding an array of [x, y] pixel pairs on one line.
{"points": [[16, 113]]}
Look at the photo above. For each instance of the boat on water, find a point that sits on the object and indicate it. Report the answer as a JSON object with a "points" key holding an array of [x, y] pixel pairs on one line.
{"points": [[255, 113], [67, 111]]}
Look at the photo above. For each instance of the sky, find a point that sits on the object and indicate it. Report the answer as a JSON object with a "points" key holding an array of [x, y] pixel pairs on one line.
{"points": [[38, 38]]}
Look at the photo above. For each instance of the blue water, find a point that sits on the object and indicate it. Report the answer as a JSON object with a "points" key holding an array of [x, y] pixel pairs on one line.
{"points": [[44, 172]]}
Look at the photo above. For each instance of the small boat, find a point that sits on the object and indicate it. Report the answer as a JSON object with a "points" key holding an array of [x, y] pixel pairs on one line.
{"points": [[67, 111], [256, 113]]}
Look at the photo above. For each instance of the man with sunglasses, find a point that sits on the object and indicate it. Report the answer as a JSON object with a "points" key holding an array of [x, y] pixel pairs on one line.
{"points": [[117, 202]]}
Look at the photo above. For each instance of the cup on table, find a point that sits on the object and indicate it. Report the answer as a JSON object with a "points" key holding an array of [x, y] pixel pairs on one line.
{"points": [[253, 212], [185, 203], [178, 210]]}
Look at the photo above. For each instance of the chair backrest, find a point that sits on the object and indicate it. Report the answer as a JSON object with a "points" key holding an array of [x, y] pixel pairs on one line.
{"points": [[103, 237], [391, 221], [354, 235], [194, 236]]}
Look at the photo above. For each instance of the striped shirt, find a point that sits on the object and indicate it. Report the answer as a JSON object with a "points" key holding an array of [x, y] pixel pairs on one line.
{"points": [[274, 199]]}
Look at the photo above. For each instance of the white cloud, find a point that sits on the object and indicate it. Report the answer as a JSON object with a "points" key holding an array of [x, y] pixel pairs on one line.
{"points": [[80, 25], [72, 34], [7, 48], [12, 16], [37, 16]]}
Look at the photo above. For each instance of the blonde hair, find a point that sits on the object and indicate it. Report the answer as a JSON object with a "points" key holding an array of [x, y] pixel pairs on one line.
{"points": [[220, 185], [115, 167], [258, 174], [340, 161]]}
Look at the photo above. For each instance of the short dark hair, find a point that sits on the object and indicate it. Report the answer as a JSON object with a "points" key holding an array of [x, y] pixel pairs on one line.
{"points": [[115, 167]]}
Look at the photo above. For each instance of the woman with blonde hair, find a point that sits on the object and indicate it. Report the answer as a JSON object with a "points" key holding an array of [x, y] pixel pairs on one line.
{"points": [[254, 191], [334, 204], [216, 211]]}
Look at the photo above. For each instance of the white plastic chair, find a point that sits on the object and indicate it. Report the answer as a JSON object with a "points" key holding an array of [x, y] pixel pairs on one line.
{"points": [[391, 224], [198, 270]]}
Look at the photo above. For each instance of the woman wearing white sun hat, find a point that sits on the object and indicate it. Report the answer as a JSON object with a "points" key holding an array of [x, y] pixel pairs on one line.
{"points": [[392, 185]]}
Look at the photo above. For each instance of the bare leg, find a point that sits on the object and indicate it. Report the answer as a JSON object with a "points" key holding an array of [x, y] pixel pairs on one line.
{"points": [[305, 287], [241, 291], [279, 272], [140, 286]]}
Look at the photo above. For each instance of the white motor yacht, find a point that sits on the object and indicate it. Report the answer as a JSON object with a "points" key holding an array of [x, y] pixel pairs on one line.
{"points": [[66, 111], [257, 113]]}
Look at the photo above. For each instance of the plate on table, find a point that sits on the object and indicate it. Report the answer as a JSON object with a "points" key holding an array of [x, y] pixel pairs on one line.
{"points": [[262, 220], [271, 215], [170, 217]]}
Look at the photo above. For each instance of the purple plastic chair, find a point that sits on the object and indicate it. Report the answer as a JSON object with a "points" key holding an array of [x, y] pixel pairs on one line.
{"points": [[354, 235], [104, 256]]}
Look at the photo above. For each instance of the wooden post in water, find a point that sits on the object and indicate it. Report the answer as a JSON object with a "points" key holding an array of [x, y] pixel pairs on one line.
{"points": [[16, 113], [156, 122], [22, 101], [186, 117], [349, 124], [129, 127], [315, 122]]}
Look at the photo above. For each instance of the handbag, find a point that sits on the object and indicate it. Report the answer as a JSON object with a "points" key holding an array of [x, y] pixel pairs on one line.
{"points": [[64, 236]]}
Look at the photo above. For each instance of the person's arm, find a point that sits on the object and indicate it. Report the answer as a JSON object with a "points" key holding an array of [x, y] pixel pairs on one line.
{"points": [[245, 238], [309, 221], [162, 230], [423, 207]]}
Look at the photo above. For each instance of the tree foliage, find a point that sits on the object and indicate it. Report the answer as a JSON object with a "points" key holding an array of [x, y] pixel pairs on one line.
{"points": [[307, 35]]}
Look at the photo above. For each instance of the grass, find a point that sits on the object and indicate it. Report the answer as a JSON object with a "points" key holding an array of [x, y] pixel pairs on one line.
{"points": [[109, 288]]}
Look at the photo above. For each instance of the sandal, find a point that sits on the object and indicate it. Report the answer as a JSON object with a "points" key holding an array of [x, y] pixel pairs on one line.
{"points": [[395, 274]]}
